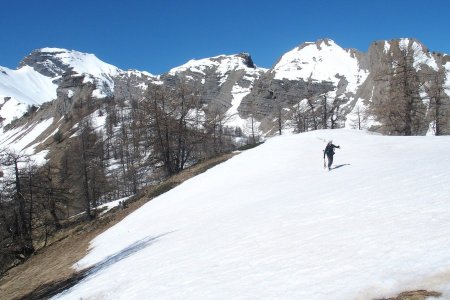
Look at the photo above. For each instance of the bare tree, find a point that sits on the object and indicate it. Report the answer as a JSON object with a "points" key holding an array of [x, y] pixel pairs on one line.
{"points": [[325, 112], [215, 124], [172, 124], [300, 116], [20, 223], [86, 164], [359, 118], [335, 114], [438, 99], [310, 100], [279, 116], [401, 111], [251, 126]]}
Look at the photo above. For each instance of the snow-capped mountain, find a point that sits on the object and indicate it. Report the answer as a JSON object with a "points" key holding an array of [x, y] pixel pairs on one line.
{"points": [[39, 74], [307, 74], [230, 84], [54, 62], [224, 81], [56, 81]]}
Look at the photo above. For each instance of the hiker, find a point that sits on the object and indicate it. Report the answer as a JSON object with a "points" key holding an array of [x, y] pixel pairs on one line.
{"points": [[329, 151]]}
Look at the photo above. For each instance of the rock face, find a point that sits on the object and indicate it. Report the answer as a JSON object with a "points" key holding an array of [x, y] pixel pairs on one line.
{"points": [[309, 71], [223, 80], [131, 85], [47, 62], [72, 93]]}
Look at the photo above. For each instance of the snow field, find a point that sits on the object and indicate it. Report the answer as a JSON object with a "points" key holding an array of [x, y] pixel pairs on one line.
{"points": [[271, 223], [25, 87]]}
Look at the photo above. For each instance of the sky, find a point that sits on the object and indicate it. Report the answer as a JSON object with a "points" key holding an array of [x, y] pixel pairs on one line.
{"points": [[156, 36]]}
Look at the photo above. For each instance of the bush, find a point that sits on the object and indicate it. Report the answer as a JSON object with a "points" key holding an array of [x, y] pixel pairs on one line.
{"points": [[57, 137], [249, 146]]}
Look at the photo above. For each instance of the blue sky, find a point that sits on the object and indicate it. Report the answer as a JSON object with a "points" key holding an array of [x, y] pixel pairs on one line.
{"points": [[157, 35]]}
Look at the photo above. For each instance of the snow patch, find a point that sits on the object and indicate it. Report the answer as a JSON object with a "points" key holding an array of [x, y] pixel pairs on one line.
{"points": [[387, 47], [238, 94], [376, 225], [19, 138], [110, 205], [27, 85]]}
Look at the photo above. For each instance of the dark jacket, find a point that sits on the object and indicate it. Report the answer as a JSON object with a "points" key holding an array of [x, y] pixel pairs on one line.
{"points": [[329, 150]]}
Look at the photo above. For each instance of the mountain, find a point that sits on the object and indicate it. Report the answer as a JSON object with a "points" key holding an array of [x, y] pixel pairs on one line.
{"points": [[225, 80], [41, 72], [55, 62], [56, 80], [374, 226], [313, 82], [303, 77]]}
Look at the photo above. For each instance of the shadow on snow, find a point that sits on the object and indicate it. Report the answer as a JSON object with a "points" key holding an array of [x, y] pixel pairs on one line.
{"points": [[122, 254], [54, 288], [339, 166]]}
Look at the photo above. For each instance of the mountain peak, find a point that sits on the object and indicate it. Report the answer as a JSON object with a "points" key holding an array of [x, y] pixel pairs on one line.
{"points": [[44, 61], [325, 42], [51, 50], [54, 62], [320, 43], [223, 62], [248, 61]]}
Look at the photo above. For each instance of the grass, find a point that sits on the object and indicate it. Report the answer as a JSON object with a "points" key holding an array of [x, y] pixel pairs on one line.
{"points": [[415, 295], [249, 146]]}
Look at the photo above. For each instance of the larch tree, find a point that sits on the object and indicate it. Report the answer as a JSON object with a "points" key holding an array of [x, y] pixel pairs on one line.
{"points": [[401, 110], [438, 99]]}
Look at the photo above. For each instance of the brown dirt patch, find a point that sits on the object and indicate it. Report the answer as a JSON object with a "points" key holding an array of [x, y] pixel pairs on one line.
{"points": [[415, 295]]}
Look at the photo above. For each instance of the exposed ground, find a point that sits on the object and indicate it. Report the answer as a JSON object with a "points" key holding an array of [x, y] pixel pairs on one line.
{"points": [[415, 295], [50, 269]]}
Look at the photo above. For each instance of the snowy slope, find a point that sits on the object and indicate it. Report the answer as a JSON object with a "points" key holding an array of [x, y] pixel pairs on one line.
{"points": [[23, 139], [23, 87], [271, 224], [81, 63], [56, 61], [323, 60]]}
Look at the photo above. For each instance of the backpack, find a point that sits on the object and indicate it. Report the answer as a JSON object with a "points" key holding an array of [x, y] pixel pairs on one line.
{"points": [[329, 150]]}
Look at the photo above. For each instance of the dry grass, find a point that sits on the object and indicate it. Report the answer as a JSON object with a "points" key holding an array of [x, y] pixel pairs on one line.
{"points": [[415, 295], [52, 265]]}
